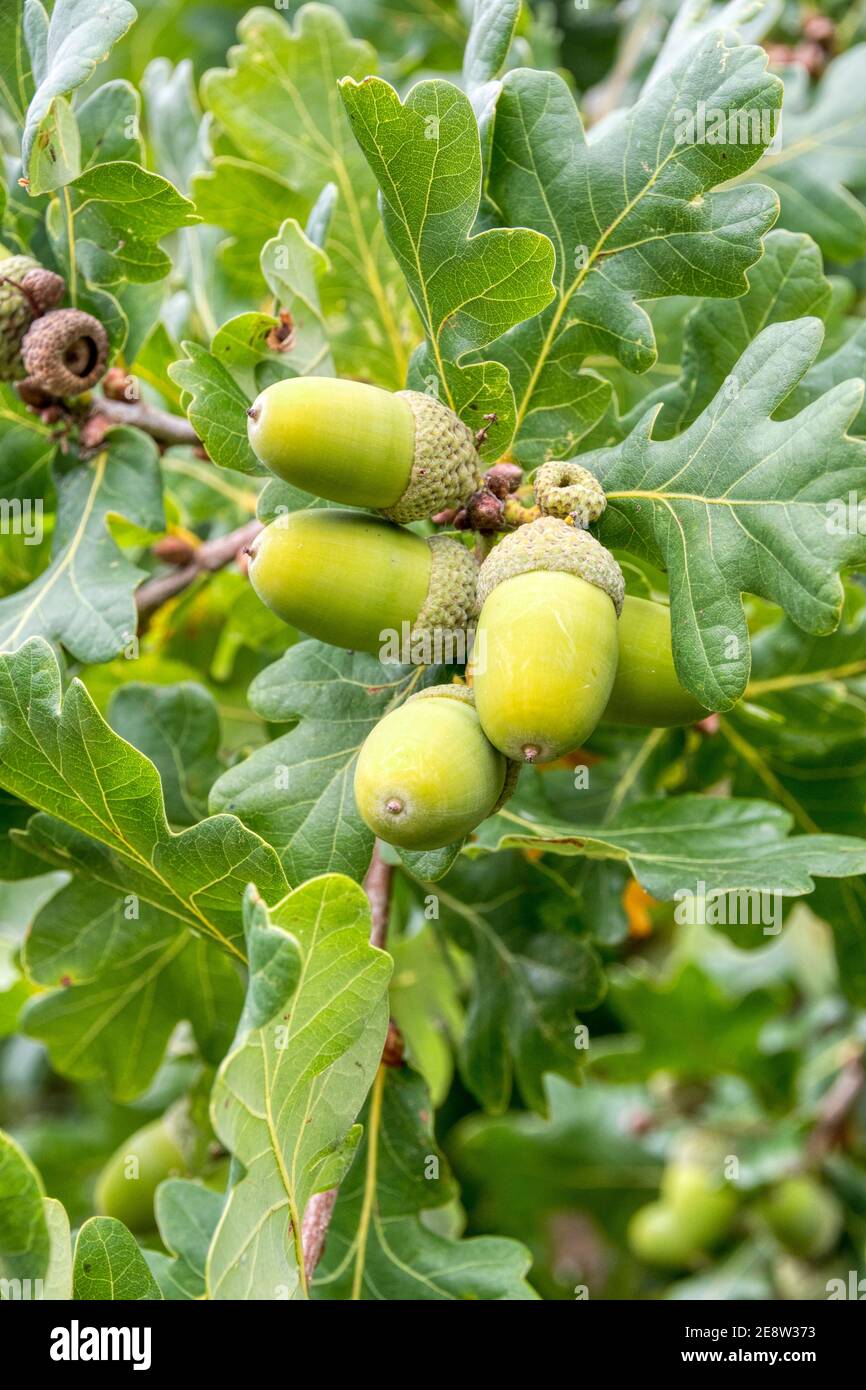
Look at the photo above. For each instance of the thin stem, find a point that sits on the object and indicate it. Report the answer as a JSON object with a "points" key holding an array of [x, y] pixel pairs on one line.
{"points": [[209, 557], [320, 1208], [298, 1240], [837, 1105], [767, 776], [314, 1230], [802, 678], [373, 1122], [161, 425], [377, 886], [70, 239]]}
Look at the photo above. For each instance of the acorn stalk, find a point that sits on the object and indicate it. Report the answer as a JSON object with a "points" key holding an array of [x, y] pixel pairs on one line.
{"points": [[404, 454]]}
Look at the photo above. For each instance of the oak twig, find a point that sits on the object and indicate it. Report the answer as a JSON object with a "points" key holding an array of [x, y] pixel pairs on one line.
{"points": [[314, 1229], [161, 425], [209, 557], [837, 1105], [377, 886]]}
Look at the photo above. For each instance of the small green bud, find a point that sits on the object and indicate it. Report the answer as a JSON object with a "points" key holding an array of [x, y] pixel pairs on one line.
{"points": [[707, 1207], [566, 489]]}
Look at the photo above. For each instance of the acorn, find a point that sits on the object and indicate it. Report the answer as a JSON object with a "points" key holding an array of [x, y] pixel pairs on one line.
{"points": [[27, 290], [404, 454], [353, 580], [692, 1215], [545, 651], [707, 1207], [659, 1236], [65, 352], [127, 1184], [646, 688], [804, 1216], [426, 776]]}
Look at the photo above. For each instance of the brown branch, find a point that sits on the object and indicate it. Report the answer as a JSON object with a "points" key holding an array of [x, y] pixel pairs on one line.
{"points": [[836, 1106], [377, 886], [209, 557], [161, 425], [320, 1208], [314, 1229]]}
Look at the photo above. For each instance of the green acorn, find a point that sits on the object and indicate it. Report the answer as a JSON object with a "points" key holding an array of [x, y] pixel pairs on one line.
{"points": [[693, 1214], [646, 688], [426, 776], [26, 292], [353, 580], [706, 1206], [659, 1235], [126, 1186], [403, 454], [805, 1216], [545, 650]]}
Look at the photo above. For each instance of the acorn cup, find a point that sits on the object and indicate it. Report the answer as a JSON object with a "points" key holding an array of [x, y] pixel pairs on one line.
{"points": [[354, 580], [404, 454], [646, 689], [426, 776], [27, 290], [545, 650], [65, 352]]}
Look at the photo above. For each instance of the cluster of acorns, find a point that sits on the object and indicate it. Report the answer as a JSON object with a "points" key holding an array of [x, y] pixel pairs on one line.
{"points": [[696, 1212], [557, 645]]}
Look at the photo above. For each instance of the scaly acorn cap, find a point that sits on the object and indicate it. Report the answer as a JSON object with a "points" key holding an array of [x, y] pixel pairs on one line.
{"points": [[552, 544], [65, 352], [446, 467], [563, 488], [464, 693], [17, 312], [451, 602]]}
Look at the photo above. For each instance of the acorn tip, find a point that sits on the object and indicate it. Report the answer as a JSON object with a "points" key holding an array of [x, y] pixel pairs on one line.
{"points": [[530, 752]]}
